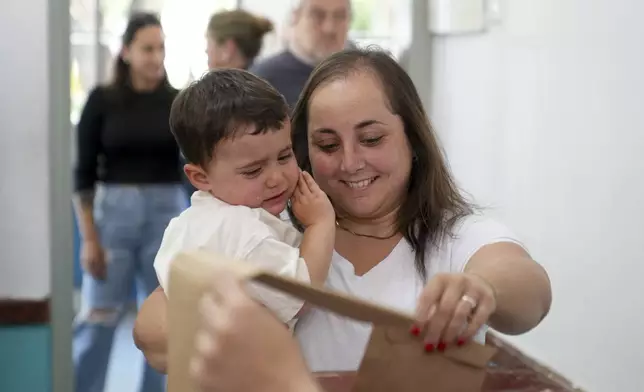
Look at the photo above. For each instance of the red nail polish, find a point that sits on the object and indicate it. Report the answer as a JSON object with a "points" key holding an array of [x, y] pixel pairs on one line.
{"points": [[460, 342], [429, 347], [414, 330], [442, 346]]}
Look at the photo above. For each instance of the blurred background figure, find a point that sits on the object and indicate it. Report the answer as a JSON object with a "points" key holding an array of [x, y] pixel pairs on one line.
{"points": [[318, 28], [235, 38], [126, 153]]}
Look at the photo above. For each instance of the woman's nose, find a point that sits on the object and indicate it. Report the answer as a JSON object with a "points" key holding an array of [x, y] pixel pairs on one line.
{"points": [[351, 161]]}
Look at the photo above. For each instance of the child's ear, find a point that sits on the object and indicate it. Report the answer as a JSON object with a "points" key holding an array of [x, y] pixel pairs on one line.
{"points": [[197, 177]]}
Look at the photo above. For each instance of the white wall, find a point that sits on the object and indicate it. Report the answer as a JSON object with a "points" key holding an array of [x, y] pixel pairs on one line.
{"points": [[24, 151], [543, 121]]}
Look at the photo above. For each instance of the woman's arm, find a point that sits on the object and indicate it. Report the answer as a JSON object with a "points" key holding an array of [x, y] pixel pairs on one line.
{"points": [[521, 285], [88, 148], [151, 332]]}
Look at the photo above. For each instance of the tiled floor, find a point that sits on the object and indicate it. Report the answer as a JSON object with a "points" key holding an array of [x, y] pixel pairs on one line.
{"points": [[126, 362]]}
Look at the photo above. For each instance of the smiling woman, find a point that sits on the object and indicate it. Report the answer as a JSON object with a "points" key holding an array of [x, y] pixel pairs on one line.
{"points": [[407, 237], [376, 157]]}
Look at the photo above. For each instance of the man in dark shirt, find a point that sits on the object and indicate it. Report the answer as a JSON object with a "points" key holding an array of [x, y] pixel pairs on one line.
{"points": [[319, 28]]}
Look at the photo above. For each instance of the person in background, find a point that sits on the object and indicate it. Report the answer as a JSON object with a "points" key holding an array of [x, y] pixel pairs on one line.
{"points": [[234, 39], [318, 29], [127, 189]]}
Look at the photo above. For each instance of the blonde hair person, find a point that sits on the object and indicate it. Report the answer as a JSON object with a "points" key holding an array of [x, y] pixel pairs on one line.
{"points": [[235, 38]]}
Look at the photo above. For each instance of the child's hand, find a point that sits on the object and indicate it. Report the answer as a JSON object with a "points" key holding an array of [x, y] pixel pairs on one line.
{"points": [[310, 204]]}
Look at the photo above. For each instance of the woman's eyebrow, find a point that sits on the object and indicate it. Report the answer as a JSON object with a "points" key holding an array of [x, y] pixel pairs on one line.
{"points": [[327, 131], [358, 126], [366, 123]]}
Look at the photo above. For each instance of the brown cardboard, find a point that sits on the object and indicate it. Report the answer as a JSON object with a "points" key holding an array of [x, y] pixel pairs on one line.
{"points": [[394, 360]]}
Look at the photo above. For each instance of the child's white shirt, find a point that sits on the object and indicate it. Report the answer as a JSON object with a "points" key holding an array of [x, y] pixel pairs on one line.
{"points": [[237, 232]]}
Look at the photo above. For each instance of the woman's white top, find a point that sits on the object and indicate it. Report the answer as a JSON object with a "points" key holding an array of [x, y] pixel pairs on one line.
{"points": [[334, 343]]}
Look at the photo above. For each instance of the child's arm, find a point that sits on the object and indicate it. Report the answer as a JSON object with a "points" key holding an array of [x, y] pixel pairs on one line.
{"points": [[317, 249], [313, 208]]}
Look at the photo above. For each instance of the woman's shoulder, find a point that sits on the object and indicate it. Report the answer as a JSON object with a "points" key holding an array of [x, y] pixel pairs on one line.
{"points": [[105, 97], [477, 222], [170, 91], [481, 226], [468, 234], [98, 94], [96, 101]]}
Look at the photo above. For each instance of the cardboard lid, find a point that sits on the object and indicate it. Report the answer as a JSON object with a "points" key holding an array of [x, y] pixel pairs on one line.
{"points": [[191, 275]]}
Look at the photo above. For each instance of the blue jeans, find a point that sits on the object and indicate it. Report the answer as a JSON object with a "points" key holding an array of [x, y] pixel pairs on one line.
{"points": [[130, 220]]}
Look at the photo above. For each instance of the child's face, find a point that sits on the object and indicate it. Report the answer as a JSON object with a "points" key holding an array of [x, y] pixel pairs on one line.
{"points": [[251, 170]]}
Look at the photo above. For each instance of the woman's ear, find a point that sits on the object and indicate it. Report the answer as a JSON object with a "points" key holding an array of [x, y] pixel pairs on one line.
{"points": [[230, 49], [295, 16], [197, 177], [125, 54]]}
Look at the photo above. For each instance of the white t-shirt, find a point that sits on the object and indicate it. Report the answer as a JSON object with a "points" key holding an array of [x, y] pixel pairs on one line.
{"points": [[237, 232], [334, 343]]}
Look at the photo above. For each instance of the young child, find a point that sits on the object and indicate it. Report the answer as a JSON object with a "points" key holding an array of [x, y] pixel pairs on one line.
{"points": [[234, 131]]}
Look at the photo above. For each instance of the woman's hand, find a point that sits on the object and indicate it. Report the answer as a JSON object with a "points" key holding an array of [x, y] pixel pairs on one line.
{"points": [[452, 308], [242, 347], [150, 330], [93, 260]]}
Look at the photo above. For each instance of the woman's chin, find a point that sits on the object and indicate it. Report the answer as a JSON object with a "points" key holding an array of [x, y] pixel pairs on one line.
{"points": [[360, 210]]}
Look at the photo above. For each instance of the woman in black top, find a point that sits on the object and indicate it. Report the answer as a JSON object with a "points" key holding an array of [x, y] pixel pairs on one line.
{"points": [[127, 154]]}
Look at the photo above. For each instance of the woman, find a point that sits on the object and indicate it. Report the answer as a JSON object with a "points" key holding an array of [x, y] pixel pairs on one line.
{"points": [[127, 153], [235, 38], [406, 237]]}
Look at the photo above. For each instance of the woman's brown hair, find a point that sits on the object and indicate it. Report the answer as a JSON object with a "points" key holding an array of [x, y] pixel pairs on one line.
{"points": [[244, 28], [433, 203]]}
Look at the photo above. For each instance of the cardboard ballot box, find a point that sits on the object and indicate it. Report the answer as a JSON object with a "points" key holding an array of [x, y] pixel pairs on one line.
{"points": [[394, 360]]}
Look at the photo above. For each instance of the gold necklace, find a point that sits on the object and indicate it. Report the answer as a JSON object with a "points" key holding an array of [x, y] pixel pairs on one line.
{"points": [[365, 235]]}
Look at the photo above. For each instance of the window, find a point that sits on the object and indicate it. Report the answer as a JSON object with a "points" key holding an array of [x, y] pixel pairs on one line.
{"points": [[83, 53], [386, 23], [277, 11], [185, 29], [91, 52]]}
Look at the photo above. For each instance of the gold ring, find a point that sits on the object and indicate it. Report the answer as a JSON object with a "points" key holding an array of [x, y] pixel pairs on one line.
{"points": [[469, 300]]}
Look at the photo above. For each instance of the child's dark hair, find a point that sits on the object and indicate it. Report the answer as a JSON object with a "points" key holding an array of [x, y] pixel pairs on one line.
{"points": [[218, 106]]}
